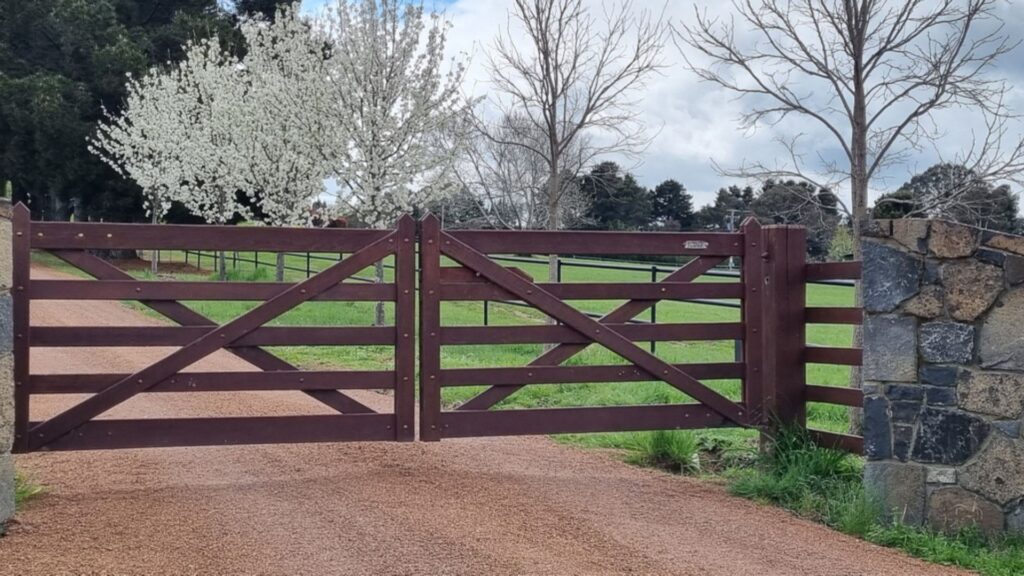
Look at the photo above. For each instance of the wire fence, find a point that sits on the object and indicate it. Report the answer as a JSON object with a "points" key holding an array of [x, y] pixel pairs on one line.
{"points": [[309, 259]]}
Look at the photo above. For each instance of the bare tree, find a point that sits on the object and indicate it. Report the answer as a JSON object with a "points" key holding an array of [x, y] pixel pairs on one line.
{"points": [[570, 78], [508, 180], [870, 73]]}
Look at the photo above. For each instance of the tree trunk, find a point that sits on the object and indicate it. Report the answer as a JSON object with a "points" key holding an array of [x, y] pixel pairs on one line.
{"points": [[859, 211], [378, 316], [154, 261], [279, 272], [222, 265], [553, 223]]}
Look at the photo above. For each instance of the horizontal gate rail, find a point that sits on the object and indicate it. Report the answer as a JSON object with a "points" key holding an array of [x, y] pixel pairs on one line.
{"points": [[98, 236], [579, 374], [183, 290], [829, 355], [146, 336], [566, 242], [539, 334], [827, 315], [825, 271], [221, 381], [580, 420], [833, 395], [197, 336], [593, 291], [168, 432]]}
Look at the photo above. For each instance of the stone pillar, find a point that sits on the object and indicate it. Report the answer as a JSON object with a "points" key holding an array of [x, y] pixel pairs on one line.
{"points": [[6, 368], [944, 374]]}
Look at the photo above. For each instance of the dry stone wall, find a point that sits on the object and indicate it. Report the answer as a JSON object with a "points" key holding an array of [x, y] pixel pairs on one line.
{"points": [[944, 374], [6, 368]]}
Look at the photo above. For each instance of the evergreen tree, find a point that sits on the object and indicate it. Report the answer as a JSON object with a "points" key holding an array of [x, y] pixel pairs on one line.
{"points": [[731, 206], [800, 203], [616, 201], [672, 206], [952, 192], [61, 65]]}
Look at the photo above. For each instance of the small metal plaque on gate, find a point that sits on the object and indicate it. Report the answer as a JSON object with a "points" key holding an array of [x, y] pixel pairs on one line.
{"points": [[695, 245]]}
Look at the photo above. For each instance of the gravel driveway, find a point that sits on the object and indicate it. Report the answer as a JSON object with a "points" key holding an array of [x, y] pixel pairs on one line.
{"points": [[479, 506]]}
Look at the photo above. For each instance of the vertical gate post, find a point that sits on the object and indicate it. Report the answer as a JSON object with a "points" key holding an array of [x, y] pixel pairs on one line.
{"points": [[20, 316], [430, 328], [405, 326], [784, 326], [753, 318]]}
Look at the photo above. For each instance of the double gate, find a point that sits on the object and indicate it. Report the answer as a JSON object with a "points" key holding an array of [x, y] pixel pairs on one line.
{"points": [[453, 266]]}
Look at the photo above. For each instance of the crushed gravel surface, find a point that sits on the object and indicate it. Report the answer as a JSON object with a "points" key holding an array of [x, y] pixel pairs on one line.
{"points": [[475, 507]]}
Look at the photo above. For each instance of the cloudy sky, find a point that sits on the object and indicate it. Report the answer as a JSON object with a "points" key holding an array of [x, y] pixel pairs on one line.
{"points": [[696, 124]]}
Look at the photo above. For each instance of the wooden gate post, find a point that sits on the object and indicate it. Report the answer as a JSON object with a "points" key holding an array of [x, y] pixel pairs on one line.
{"points": [[784, 327], [405, 330], [753, 319], [430, 328]]}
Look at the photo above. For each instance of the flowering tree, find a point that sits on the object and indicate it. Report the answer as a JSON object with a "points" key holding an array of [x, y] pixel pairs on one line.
{"points": [[396, 106], [177, 136], [285, 120], [142, 142], [220, 135], [210, 159]]}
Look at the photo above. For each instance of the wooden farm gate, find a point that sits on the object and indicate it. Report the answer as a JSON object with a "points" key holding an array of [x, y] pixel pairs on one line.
{"points": [[453, 266], [456, 266], [197, 337], [479, 278]]}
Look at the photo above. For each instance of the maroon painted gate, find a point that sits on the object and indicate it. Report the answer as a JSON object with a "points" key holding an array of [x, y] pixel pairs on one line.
{"points": [[476, 277], [80, 426], [453, 266]]}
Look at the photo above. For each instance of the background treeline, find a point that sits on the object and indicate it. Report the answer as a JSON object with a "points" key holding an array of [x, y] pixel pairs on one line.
{"points": [[63, 67], [62, 64], [614, 200]]}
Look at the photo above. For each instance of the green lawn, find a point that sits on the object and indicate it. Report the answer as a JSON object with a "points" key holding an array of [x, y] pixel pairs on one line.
{"points": [[471, 313]]}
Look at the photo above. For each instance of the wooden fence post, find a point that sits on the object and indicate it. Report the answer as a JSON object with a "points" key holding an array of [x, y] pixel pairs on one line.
{"points": [[753, 319], [430, 328], [405, 328], [20, 264], [784, 328]]}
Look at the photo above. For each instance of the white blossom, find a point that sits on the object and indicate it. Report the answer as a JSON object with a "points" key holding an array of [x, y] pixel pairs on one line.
{"points": [[395, 102], [285, 124]]}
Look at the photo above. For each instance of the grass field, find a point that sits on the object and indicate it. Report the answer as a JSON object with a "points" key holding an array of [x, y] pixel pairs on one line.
{"points": [[825, 417]]}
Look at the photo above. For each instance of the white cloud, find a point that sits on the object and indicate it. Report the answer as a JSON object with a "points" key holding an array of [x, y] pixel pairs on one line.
{"points": [[695, 122]]}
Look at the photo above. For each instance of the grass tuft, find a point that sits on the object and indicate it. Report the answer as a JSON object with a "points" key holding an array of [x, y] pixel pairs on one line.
{"points": [[677, 451], [825, 485], [25, 490], [245, 275]]}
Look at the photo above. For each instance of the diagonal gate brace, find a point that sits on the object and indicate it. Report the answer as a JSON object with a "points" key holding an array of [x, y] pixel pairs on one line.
{"points": [[209, 343], [592, 329], [624, 313], [185, 316]]}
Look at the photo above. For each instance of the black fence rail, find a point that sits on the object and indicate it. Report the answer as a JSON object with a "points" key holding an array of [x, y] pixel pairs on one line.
{"points": [[654, 270]]}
